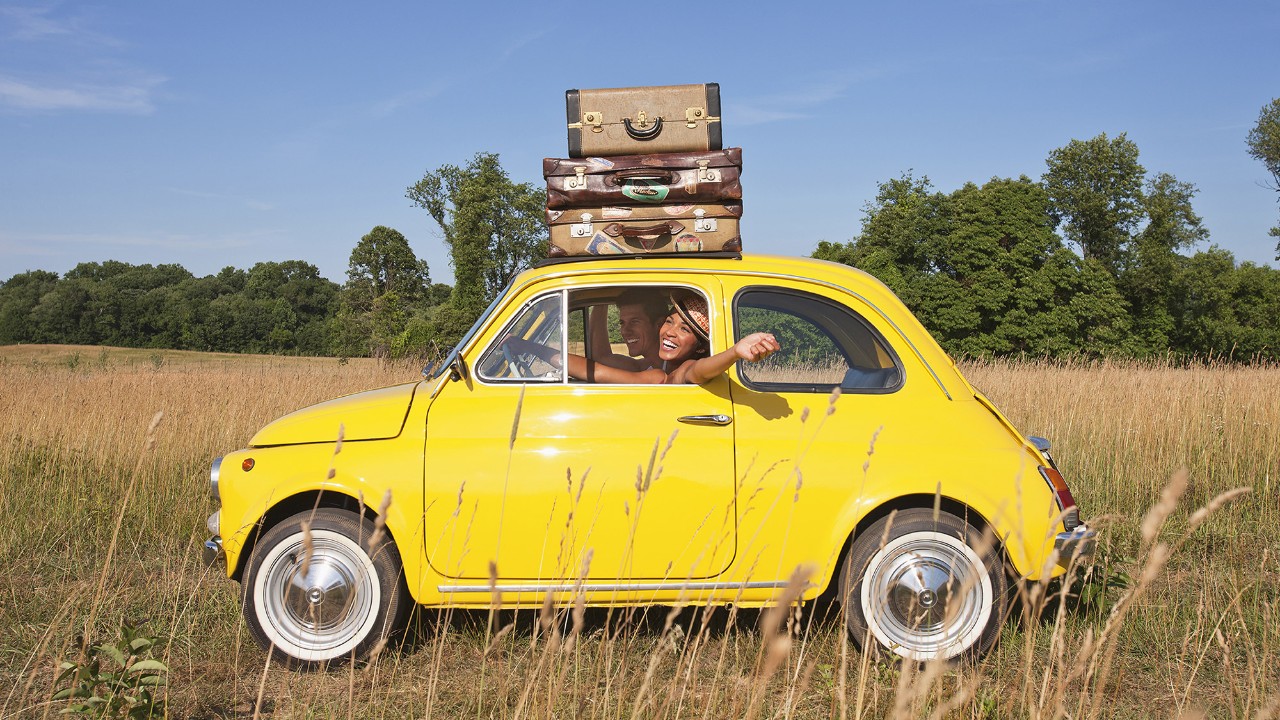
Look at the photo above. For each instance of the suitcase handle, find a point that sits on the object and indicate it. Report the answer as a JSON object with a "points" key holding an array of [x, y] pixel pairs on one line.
{"points": [[671, 227], [642, 135], [666, 177]]}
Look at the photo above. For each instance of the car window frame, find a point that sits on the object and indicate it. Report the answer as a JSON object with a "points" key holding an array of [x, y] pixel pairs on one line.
{"points": [[564, 292], [515, 316], [815, 388]]}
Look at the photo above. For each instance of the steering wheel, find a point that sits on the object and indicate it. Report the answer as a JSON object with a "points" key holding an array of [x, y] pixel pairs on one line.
{"points": [[518, 366]]}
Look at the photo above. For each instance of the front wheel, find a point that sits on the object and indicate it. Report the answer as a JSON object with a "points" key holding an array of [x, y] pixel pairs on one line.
{"points": [[349, 598], [923, 588]]}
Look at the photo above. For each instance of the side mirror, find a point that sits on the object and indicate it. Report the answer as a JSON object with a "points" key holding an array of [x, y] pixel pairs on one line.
{"points": [[458, 369]]}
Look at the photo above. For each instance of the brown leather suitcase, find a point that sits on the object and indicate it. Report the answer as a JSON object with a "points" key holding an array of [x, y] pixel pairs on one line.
{"points": [[655, 119], [641, 230], [697, 177]]}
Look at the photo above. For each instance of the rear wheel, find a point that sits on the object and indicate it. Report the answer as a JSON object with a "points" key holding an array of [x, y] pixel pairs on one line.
{"points": [[350, 597], [922, 588]]}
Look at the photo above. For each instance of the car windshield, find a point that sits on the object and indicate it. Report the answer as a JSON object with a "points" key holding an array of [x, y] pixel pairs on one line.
{"points": [[434, 371]]}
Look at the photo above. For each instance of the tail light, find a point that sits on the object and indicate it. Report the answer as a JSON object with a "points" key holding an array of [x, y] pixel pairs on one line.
{"points": [[1066, 503]]}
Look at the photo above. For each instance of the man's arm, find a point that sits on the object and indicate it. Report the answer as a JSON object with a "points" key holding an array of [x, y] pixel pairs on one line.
{"points": [[583, 369], [598, 339]]}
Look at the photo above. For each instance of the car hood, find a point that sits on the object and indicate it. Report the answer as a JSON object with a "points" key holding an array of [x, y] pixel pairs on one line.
{"points": [[370, 415]]}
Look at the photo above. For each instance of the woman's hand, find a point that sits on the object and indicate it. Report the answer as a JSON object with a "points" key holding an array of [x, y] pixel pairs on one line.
{"points": [[756, 346]]}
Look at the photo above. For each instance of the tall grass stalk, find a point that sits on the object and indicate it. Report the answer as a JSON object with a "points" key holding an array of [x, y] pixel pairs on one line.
{"points": [[1196, 632]]}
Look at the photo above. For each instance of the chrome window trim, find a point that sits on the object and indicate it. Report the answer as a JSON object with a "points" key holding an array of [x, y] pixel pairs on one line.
{"points": [[612, 587], [876, 336]]}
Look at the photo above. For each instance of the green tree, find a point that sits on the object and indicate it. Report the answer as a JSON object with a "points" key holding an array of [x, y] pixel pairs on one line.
{"points": [[386, 284], [493, 227], [984, 269], [308, 297], [1225, 309], [1151, 260], [900, 229], [19, 296], [1264, 145], [382, 262], [1095, 186]]}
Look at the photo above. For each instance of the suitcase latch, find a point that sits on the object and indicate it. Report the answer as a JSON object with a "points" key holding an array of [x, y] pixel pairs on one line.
{"points": [[593, 120], [707, 174], [582, 229], [579, 179], [701, 223], [694, 114]]}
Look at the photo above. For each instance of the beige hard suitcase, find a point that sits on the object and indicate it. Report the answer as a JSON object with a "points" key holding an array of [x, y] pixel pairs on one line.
{"points": [[640, 120], [645, 230]]}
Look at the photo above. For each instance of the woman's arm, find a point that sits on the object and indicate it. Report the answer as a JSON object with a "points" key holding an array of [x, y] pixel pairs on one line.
{"points": [[752, 348]]}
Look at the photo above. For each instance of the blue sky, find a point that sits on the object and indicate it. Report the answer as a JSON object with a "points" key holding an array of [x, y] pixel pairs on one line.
{"points": [[215, 134]]}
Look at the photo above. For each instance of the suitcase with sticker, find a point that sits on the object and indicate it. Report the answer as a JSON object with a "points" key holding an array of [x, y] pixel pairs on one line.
{"points": [[675, 178], [691, 228], [655, 119]]}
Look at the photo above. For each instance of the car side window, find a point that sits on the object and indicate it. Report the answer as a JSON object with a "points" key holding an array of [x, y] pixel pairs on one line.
{"points": [[824, 345], [539, 323]]}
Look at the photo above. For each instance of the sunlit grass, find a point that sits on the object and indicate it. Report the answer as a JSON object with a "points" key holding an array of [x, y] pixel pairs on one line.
{"points": [[1202, 634]]}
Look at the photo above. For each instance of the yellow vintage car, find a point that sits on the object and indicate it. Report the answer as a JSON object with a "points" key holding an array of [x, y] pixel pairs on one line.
{"points": [[856, 458]]}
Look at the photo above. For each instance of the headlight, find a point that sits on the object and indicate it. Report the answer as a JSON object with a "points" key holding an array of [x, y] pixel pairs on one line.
{"points": [[213, 477]]}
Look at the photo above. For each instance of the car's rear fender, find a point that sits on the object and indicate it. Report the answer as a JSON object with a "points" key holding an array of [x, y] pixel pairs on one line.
{"points": [[830, 576]]}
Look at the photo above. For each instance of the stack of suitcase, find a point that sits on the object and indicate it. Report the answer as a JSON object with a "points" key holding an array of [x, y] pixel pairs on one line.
{"points": [[645, 174]]}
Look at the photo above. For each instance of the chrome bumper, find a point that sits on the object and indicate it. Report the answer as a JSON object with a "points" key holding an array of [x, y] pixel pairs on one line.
{"points": [[1076, 546], [212, 553]]}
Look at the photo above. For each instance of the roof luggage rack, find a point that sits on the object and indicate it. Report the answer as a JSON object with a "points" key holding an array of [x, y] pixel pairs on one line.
{"points": [[725, 255]]}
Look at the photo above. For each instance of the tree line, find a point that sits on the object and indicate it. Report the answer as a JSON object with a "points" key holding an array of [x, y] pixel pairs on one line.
{"points": [[1089, 259]]}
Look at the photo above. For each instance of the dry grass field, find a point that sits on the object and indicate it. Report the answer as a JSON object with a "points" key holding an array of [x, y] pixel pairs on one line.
{"points": [[102, 513]]}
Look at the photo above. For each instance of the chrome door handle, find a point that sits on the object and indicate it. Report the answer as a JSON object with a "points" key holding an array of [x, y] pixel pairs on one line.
{"points": [[706, 419]]}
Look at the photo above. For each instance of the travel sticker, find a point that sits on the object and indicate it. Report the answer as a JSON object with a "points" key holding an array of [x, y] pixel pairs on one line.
{"points": [[688, 243], [616, 213], [645, 191], [600, 163], [677, 209], [602, 244]]}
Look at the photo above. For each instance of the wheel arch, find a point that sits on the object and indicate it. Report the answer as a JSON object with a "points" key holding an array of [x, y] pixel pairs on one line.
{"points": [[909, 501], [297, 503]]}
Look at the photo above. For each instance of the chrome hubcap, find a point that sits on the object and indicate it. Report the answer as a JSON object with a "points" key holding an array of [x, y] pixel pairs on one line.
{"points": [[332, 605], [926, 595]]}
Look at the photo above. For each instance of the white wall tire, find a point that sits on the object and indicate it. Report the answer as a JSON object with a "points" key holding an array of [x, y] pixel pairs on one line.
{"points": [[349, 599], [917, 588]]}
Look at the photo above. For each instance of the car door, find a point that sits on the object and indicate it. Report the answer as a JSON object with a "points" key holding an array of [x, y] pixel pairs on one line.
{"points": [[554, 479], [804, 449]]}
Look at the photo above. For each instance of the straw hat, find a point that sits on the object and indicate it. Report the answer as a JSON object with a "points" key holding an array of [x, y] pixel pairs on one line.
{"points": [[693, 308]]}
